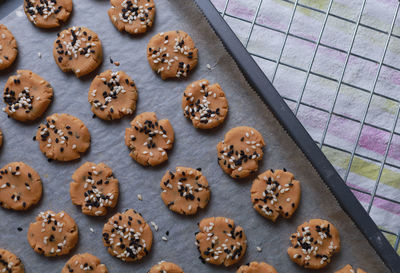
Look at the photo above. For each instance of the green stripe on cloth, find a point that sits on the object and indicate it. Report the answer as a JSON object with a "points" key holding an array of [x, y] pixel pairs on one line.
{"points": [[392, 240], [362, 167]]}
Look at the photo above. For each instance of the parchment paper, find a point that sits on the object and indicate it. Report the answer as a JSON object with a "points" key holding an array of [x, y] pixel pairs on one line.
{"points": [[193, 148]]}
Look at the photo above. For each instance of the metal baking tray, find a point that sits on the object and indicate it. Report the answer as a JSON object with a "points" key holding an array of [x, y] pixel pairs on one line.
{"points": [[56, 176], [270, 96]]}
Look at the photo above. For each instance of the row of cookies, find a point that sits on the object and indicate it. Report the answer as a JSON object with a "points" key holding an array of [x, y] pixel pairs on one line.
{"points": [[95, 188], [132, 16]]}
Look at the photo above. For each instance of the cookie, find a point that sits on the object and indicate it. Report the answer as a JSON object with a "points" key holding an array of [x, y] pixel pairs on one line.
{"points": [[220, 241], [27, 96], [240, 151], [94, 188], [53, 234], [172, 54], [112, 95], [275, 193], [48, 13], [349, 269], [166, 267], [149, 139], [83, 263], [132, 16], [185, 191], [204, 104], [255, 267], [63, 137], [314, 244], [8, 48], [10, 263], [20, 186], [127, 236], [1, 138], [78, 50]]}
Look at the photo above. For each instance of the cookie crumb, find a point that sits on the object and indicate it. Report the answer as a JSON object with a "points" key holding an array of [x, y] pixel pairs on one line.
{"points": [[154, 225], [259, 249], [140, 197], [116, 63], [164, 238], [20, 229]]}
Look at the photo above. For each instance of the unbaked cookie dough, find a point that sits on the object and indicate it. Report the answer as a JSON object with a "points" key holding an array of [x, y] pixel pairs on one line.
{"points": [[166, 267], [255, 267], [63, 137], [10, 263], [172, 54], [149, 139], [20, 186], [8, 48], [220, 241], [349, 269], [240, 151], [94, 188], [127, 236], [112, 95], [27, 96], [47, 13], [78, 50], [204, 104], [314, 244], [84, 263], [133, 16], [185, 190], [53, 234], [274, 193]]}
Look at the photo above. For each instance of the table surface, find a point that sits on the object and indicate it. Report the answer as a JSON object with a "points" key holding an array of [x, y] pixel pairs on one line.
{"points": [[336, 53]]}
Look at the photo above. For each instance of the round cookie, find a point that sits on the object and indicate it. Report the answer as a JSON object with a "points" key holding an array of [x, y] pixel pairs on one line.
{"points": [[83, 263], [240, 151], [10, 263], [132, 16], [94, 188], [149, 139], [185, 191], [166, 267], [8, 48], [220, 241], [53, 234], [204, 104], [27, 96], [255, 267], [48, 13], [20, 186], [63, 137], [275, 193], [78, 50], [127, 236], [172, 54], [112, 95], [349, 269], [314, 244]]}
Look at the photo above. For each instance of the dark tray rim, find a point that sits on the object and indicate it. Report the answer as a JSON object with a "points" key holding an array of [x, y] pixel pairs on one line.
{"points": [[270, 96]]}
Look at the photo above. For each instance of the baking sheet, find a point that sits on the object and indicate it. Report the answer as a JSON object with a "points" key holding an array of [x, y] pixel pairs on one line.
{"points": [[193, 148]]}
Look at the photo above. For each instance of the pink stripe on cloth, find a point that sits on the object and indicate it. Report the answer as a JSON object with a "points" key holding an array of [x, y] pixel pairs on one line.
{"points": [[379, 203]]}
